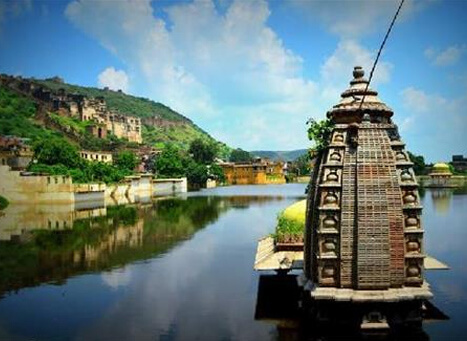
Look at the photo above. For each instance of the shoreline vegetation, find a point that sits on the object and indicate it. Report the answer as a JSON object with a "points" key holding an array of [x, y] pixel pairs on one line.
{"points": [[3, 203]]}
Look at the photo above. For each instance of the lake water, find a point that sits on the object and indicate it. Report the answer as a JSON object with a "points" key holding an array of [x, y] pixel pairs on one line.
{"points": [[180, 268]]}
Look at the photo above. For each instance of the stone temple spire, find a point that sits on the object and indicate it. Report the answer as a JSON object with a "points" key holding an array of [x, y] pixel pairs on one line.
{"points": [[348, 109]]}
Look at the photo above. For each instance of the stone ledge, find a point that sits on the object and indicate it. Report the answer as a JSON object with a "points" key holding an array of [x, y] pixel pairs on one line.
{"points": [[363, 296]]}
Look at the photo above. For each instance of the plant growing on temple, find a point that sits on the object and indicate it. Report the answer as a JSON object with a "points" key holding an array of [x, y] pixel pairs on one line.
{"points": [[319, 132]]}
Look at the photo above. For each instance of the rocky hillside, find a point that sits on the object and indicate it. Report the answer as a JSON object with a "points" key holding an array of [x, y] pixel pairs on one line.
{"points": [[160, 124]]}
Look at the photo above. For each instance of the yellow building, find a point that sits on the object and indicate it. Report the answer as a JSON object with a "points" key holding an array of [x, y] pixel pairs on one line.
{"points": [[440, 175], [105, 157], [257, 173]]}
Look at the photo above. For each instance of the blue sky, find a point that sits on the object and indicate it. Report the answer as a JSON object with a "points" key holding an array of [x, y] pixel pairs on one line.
{"points": [[252, 72]]}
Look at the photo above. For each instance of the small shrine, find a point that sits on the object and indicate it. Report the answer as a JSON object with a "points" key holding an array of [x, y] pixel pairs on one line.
{"points": [[440, 175], [363, 236]]}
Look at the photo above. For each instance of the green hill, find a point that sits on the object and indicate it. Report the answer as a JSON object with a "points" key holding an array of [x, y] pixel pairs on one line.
{"points": [[19, 115], [290, 155]]}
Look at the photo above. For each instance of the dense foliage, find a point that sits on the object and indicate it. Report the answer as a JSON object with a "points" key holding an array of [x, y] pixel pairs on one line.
{"points": [[319, 132], [202, 152], [126, 160], [58, 157], [169, 164], [301, 165], [197, 166], [419, 165], [3, 203], [240, 155], [17, 117]]}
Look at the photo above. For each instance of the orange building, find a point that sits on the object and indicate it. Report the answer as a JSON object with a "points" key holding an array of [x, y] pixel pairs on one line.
{"points": [[257, 173]]}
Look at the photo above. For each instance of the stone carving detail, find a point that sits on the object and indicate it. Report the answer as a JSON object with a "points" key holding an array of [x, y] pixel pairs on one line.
{"points": [[329, 223], [335, 157], [332, 176], [400, 156], [406, 176], [409, 198], [339, 138], [330, 199], [328, 246], [411, 222], [413, 270], [413, 246]]}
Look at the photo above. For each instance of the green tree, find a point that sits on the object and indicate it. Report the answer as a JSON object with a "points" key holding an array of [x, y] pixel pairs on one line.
{"points": [[170, 162], [203, 151], [319, 132], [197, 174], [301, 165], [56, 151], [215, 171], [419, 166], [240, 155], [126, 161]]}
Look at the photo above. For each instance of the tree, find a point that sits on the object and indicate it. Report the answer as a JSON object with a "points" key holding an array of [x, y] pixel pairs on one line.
{"points": [[320, 133], [419, 166], [56, 151], [197, 174], [302, 164], [126, 160], [169, 163], [240, 155], [215, 171], [203, 152]]}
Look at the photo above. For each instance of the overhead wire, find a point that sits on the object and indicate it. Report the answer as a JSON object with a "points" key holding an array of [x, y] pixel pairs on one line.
{"points": [[380, 50]]}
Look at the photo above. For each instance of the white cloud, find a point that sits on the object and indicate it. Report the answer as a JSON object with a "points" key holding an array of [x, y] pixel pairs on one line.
{"points": [[446, 57], [438, 124], [113, 79], [201, 62], [228, 71], [353, 19]]}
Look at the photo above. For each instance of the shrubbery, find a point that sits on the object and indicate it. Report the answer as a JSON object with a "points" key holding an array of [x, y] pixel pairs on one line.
{"points": [[58, 157]]}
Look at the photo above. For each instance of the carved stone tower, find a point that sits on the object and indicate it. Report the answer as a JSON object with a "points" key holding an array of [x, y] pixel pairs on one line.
{"points": [[363, 234]]}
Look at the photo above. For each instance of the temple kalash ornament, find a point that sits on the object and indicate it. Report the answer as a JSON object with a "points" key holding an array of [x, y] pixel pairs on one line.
{"points": [[363, 254]]}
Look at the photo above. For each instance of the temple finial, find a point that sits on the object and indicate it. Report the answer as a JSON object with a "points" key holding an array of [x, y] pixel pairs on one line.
{"points": [[358, 72]]}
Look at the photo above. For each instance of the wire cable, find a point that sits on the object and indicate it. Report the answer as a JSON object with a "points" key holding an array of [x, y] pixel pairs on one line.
{"points": [[379, 52]]}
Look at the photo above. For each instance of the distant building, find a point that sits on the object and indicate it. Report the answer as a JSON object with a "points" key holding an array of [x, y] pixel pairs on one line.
{"points": [[440, 175], [255, 173], [15, 152], [97, 130], [459, 162], [105, 157]]}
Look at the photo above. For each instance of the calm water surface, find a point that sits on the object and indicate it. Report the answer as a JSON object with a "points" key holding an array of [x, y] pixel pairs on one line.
{"points": [[179, 268]]}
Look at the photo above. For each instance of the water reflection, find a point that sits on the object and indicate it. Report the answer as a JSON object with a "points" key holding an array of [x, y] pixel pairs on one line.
{"points": [[280, 303], [441, 199], [181, 269], [51, 243]]}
